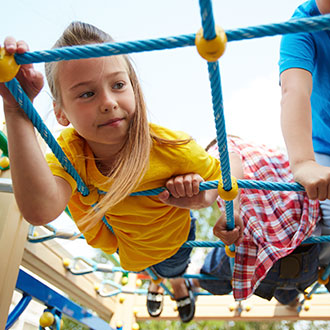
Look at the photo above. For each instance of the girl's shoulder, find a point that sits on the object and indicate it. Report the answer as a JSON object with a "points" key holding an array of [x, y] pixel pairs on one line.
{"points": [[71, 142], [166, 133]]}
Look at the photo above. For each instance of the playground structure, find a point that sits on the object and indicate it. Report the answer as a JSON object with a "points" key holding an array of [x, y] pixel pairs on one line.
{"points": [[45, 259]]}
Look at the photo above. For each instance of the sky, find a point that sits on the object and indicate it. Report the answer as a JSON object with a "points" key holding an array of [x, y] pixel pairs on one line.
{"points": [[175, 82]]}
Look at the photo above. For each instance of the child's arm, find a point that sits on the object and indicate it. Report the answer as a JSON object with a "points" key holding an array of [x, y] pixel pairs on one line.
{"points": [[183, 191], [40, 196], [296, 121], [220, 230]]}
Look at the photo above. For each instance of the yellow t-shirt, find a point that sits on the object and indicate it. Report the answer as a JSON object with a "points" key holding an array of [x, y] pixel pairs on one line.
{"points": [[146, 230]]}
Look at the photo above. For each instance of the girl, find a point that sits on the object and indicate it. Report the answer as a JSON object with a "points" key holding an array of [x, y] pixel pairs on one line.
{"points": [[114, 150], [270, 260]]}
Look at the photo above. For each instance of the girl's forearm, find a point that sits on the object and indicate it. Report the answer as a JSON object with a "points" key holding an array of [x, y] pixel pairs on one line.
{"points": [[36, 190]]}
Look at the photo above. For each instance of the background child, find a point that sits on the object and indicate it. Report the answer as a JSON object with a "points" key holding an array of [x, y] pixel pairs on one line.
{"points": [[114, 149], [269, 261], [305, 79]]}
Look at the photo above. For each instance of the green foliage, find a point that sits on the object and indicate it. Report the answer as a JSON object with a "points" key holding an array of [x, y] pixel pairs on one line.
{"points": [[206, 219], [231, 325], [71, 325]]}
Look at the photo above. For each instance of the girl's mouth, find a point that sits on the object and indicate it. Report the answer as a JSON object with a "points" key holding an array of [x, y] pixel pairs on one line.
{"points": [[112, 122]]}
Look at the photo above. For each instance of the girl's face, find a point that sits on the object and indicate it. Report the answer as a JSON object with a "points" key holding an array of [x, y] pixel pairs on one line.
{"points": [[97, 98]]}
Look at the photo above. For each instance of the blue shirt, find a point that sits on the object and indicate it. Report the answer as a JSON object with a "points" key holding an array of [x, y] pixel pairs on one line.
{"points": [[311, 52]]}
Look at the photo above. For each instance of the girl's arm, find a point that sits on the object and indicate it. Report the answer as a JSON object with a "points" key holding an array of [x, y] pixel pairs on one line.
{"points": [[296, 122], [183, 191], [40, 196], [220, 229]]}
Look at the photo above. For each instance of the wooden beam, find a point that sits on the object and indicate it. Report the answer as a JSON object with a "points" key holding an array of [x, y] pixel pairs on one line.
{"points": [[46, 260], [13, 232], [254, 309]]}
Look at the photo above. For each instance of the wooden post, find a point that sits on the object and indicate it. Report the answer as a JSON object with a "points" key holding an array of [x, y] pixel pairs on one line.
{"points": [[13, 232]]}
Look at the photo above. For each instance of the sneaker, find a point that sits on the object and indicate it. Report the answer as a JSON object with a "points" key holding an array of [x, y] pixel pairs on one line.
{"points": [[186, 305]]}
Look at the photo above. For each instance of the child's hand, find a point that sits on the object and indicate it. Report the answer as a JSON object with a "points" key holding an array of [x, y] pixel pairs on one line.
{"points": [[31, 80], [183, 191], [229, 237], [315, 178]]}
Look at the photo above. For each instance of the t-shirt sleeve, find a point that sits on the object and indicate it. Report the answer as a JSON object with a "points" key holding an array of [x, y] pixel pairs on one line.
{"points": [[201, 162], [57, 170], [297, 51]]}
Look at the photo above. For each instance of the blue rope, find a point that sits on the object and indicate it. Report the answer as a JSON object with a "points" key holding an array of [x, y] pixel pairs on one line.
{"points": [[18, 310], [25, 103], [247, 184], [116, 48], [207, 19]]}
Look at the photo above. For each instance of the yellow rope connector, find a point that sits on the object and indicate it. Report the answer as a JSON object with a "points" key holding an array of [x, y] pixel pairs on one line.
{"points": [[8, 66], [321, 271], [4, 161], [306, 294], [46, 319], [230, 253], [135, 326], [121, 298], [157, 281], [66, 262], [211, 50], [230, 194], [119, 325], [91, 198], [232, 307]]}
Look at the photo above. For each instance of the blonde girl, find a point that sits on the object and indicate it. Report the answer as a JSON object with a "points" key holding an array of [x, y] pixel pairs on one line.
{"points": [[115, 150]]}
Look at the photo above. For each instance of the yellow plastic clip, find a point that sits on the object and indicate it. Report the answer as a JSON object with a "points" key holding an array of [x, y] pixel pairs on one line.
{"points": [[306, 294], [135, 326], [321, 271], [211, 50], [46, 319], [157, 281], [8, 66], [230, 253], [230, 194], [4, 162]]}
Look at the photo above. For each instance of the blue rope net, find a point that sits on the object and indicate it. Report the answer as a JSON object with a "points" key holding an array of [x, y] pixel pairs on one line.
{"points": [[107, 49]]}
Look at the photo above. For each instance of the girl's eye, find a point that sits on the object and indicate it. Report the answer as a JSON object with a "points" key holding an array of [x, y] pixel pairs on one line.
{"points": [[86, 95], [119, 85]]}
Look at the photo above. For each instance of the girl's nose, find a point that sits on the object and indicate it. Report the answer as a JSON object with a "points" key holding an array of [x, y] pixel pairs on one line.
{"points": [[108, 104]]}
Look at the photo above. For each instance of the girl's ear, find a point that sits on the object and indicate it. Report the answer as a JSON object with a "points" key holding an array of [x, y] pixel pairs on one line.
{"points": [[60, 115]]}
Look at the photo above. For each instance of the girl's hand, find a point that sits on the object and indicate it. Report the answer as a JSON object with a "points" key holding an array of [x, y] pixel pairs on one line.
{"points": [[229, 237], [31, 80], [183, 191], [186, 185], [315, 178]]}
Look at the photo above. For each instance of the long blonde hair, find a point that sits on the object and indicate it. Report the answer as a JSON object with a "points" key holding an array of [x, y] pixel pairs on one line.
{"points": [[132, 161]]}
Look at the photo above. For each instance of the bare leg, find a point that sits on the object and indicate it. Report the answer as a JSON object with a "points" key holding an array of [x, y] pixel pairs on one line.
{"points": [[179, 287]]}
